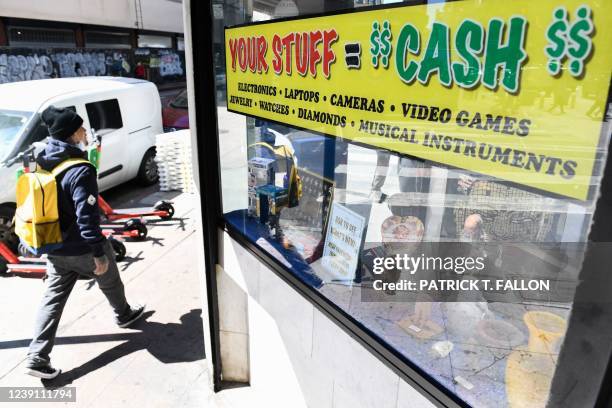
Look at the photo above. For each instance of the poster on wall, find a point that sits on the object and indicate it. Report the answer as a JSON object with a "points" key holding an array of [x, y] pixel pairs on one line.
{"points": [[506, 89], [342, 242]]}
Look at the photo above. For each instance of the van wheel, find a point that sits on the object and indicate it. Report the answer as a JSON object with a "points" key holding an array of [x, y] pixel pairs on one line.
{"points": [[148, 173], [7, 229]]}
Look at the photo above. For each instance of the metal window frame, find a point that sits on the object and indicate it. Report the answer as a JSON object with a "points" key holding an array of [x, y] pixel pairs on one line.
{"points": [[213, 221], [94, 45], [166, 36], [27, 44], [209, 175]]}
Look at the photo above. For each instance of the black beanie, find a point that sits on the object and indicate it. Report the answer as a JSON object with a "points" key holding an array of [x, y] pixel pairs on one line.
{"points": [[62, 122]]}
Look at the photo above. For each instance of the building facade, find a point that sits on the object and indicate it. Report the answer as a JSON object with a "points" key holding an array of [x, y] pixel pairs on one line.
{"points": [[80, 38], [470, 138]]}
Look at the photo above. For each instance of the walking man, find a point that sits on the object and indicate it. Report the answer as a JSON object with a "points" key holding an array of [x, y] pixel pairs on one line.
{"points": [[84, 250]]}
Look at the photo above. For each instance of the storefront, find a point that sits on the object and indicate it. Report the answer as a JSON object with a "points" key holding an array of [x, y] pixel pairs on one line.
{"points": [[406, 204]]}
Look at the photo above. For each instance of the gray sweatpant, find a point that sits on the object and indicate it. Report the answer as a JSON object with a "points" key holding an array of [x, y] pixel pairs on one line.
{"points": [[62, 274]]}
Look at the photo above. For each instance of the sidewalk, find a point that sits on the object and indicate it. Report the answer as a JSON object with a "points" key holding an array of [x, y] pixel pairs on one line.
{"points": [[158, 363]]}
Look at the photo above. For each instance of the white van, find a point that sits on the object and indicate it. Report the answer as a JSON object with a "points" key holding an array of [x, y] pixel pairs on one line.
{"points": [[126, 112]]}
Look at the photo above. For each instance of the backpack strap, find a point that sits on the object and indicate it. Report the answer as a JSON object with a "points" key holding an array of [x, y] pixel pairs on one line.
{"points": [[66, 164]]}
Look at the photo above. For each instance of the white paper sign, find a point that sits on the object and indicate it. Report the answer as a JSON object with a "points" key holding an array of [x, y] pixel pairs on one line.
{"points": [[342, 242]]}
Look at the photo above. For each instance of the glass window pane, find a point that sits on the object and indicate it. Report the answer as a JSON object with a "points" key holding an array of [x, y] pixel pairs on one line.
{"points": [[104, 116], [433, 166], [38, 36], [154, 41], [106, 39]]}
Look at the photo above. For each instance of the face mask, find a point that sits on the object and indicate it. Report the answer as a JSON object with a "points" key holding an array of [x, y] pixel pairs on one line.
{"points": [[83, 144]]}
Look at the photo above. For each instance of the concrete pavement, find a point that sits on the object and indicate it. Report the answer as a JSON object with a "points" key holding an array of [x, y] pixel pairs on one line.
{"points": [[160, 361]]}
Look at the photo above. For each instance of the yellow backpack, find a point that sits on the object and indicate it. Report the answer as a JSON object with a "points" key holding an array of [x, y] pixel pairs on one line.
{"points": [[37, 217]]}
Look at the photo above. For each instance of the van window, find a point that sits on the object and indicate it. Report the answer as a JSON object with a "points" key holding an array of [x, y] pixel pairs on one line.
{"points": [[39, 131], [11, 125], [105, 115]]}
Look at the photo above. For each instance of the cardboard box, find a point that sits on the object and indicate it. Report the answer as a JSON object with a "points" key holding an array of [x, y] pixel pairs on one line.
{"points": [[270, 199], [261, 173]]}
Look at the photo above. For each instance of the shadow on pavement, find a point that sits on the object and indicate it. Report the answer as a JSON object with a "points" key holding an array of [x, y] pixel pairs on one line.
{"points": [[155, 241], [177, 222], [133, 194], [129, 260], [167, 342]]}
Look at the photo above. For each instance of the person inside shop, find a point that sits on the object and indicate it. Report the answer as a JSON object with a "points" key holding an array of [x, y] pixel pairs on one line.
{"points": [[84, 250], [413, 176], [473, 229], [472, 244]]}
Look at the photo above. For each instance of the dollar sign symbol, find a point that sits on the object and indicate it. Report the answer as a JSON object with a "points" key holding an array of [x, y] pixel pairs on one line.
{"points": [[385, 36], [556, 35], [375, 47], [580, 42]]}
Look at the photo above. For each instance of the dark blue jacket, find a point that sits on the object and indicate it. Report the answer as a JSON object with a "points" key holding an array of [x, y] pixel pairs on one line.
{"points": [[79, 213]]}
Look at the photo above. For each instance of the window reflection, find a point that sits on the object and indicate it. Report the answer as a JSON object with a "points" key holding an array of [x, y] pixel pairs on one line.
{"points": [[284, 188]]}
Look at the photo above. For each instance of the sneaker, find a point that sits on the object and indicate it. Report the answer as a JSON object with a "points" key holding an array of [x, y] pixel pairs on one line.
{"points": [[46, 372], [135, 314]]}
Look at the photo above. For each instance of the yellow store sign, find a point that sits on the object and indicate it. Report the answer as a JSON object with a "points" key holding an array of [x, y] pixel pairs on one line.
{"points": [[512, 89]]}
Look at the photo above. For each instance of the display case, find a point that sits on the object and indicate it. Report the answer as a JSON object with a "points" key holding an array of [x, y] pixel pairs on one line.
{"points": [[432, 174]]}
